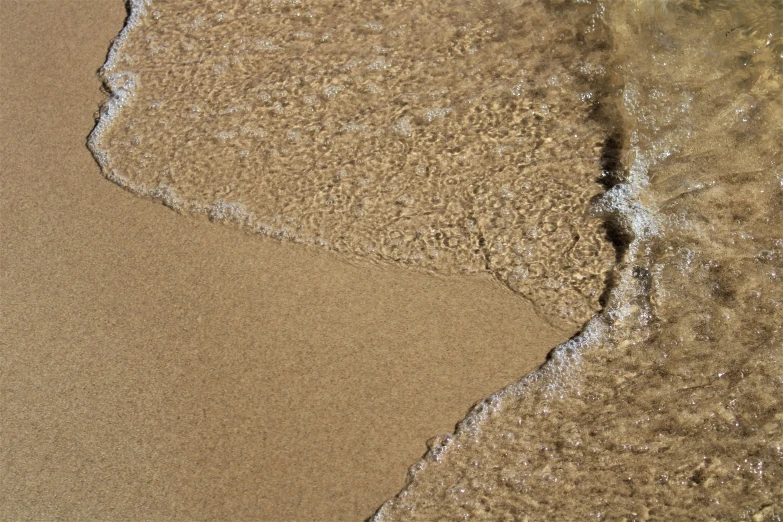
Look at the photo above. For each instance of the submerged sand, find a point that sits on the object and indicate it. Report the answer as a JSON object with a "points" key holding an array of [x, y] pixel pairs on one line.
{"points": [[459, 137], [155, 366], [667, 406], [164, 367]]}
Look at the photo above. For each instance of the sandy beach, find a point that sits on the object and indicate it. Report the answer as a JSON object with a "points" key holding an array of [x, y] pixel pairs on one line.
{"points": [[156, 366]]}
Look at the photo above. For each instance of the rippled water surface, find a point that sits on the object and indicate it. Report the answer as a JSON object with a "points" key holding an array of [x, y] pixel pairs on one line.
{"points": [[470, 136], [452, 136]]}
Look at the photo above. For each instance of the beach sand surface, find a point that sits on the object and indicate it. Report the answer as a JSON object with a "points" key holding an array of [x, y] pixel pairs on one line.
{"points": [[156, 366]]}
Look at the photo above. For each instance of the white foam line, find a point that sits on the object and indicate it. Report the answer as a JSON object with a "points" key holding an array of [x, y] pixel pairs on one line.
{"points": [[557, 375], [122, 85], [138, 8]]}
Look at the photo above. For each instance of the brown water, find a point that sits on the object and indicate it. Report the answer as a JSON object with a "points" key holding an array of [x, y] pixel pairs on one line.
{"points": [[471, 137]]}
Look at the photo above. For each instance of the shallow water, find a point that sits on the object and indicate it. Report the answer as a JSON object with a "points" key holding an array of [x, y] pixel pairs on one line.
{"points": [[667, 405], [453, 137]]}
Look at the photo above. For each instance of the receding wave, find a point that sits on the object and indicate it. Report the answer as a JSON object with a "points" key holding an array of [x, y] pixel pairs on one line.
{"points": [[457, 137], [668, 405], [519, 138]]}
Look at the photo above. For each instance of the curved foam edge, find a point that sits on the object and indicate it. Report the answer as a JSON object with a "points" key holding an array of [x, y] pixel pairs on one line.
{"points": [[121, 86], [558, 376]]}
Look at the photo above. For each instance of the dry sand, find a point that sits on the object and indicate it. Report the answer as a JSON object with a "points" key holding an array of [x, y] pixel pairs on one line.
{"points": [[156, 366]]}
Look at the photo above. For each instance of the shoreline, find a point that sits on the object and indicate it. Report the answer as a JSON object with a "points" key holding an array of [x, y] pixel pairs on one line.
{"points": [[158, 366]]}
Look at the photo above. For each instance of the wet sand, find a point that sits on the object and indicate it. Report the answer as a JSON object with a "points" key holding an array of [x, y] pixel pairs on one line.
{"points": [[156, 366]]}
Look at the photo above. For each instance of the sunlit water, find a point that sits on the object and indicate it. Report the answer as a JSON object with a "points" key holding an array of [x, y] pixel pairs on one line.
{"points": [[480, 131], [455, 137]]}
